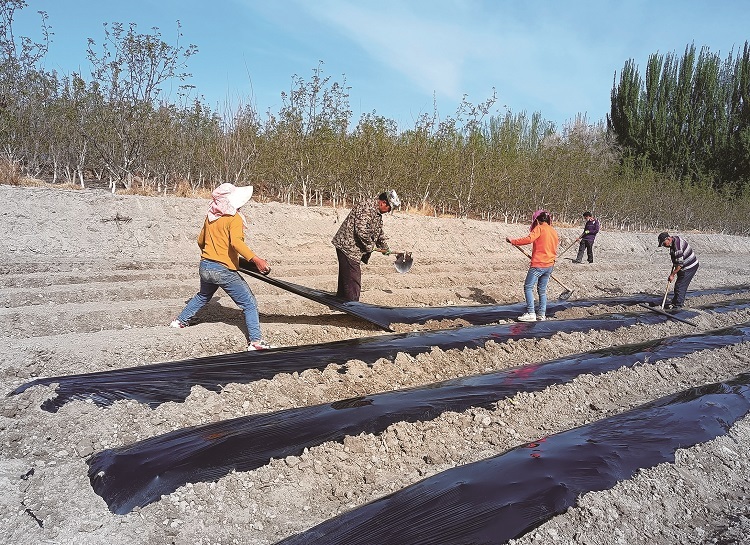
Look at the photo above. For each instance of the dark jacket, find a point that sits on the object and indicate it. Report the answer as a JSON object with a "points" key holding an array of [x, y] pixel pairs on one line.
{"points": [[590, 230]]}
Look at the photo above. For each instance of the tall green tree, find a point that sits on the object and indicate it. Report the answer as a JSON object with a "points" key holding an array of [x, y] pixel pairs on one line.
{"points": [[687, 117], [736, 166]]}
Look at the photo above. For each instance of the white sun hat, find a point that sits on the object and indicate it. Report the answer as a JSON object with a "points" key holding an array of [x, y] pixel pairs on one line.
{"points": [[240, 196]]}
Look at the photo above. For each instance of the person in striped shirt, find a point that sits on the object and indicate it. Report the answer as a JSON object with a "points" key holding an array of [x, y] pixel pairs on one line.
{"points": [[684, 265]]}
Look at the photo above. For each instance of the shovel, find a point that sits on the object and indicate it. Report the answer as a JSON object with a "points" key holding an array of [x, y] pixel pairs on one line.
{"points": [[664, 301], [404, 261], [564, 296]]}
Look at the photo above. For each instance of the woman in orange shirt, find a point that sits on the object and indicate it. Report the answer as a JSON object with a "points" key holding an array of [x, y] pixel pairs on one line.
{"points": [[544, 241]]}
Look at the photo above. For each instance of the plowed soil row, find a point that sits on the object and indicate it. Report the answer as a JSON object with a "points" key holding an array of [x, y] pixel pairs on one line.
{"points": [[84, 292]]}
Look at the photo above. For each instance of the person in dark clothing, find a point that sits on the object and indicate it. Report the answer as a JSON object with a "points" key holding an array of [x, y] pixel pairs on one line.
{"points": [[590, 229], [684, 265], [360, 234]]}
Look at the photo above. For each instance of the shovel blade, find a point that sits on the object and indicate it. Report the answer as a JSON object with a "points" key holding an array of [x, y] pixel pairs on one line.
{"points": [[404, 262], [564, 296]]}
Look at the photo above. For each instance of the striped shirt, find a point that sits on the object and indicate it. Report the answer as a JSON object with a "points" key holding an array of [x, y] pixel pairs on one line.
{"points": [[682, 254]]}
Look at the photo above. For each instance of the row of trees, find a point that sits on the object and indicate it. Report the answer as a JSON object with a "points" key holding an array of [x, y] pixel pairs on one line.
{"points": [[119, 125], [690, 117]]}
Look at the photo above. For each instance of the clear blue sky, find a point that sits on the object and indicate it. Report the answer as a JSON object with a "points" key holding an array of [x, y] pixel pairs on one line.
{"points": [[555, 57]]}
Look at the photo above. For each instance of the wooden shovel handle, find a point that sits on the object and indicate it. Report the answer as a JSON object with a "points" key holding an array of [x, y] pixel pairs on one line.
{"points": [[551, 275]]}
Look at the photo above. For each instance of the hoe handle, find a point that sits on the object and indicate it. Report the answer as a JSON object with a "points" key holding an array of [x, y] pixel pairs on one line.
{"points": [[551, 276]]}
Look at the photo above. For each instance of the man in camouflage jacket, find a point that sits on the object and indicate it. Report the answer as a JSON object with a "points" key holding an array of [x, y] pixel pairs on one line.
{"points": [[360, 234]]}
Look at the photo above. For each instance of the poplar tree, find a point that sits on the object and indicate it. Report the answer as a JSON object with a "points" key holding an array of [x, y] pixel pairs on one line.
{"points": [[688, 117]]}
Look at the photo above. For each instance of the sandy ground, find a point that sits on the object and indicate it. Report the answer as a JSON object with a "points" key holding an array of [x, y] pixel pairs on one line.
{"points": [[91, 280]]}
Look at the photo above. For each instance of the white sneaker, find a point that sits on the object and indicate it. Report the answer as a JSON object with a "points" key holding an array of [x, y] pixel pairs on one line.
{"points": [[259, 345], [177, 324], [527, 317], [541, 317]]}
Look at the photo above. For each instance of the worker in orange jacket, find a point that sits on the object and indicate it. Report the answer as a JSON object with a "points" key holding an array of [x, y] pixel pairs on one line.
{"points": [[544, 241]]}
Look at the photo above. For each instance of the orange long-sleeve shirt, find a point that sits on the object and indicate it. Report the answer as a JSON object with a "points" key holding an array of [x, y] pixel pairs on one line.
{"points": [[223, 240], [544, 241]]}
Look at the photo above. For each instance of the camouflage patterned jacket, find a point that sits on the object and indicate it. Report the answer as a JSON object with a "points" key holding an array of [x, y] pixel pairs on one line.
{"points": [[362, 231]]}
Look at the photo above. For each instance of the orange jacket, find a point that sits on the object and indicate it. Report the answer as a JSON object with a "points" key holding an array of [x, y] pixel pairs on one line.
{"points": [[223, 240], [545, 242]]}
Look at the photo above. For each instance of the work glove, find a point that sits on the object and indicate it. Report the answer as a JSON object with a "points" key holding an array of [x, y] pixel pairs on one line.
{"points": [[585, 232]]}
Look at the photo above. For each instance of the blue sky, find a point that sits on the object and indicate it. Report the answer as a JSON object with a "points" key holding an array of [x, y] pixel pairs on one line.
{"points": [[400, 57]]}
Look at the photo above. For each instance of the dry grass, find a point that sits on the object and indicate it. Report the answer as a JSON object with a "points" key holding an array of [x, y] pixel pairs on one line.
{"points": [[183, 189], [426, 209], [10, 172], [35, 182]]}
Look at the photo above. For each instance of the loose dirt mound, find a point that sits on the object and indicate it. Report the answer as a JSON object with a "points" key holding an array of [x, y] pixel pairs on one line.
{"points": [[91, 280]]}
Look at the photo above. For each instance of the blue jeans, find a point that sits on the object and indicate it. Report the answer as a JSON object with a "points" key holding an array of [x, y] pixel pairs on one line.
{"points": [[538, 277], [214, 276]]}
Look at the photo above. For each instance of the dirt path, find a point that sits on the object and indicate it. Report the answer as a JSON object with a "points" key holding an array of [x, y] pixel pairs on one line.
{"points": [[90, 281]]}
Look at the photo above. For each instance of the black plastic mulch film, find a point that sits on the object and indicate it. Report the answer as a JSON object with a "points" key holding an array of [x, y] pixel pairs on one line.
{"points": [[503, 497], [383, 316], [473, 503], [141, 473], [172, 381]]}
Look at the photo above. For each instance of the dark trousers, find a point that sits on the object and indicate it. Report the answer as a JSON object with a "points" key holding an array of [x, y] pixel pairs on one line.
{"points": [[350, 278], [684, 276], [588, 247]]}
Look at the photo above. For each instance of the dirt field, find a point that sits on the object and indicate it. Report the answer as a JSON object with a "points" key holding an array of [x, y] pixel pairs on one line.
{"points": [[90, 281]]}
